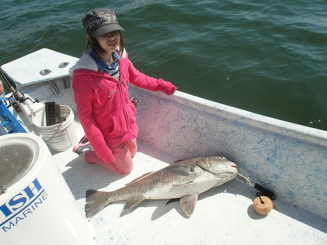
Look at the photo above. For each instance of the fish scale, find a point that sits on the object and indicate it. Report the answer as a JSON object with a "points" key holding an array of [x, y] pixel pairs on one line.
{"points": [[153, 182]]}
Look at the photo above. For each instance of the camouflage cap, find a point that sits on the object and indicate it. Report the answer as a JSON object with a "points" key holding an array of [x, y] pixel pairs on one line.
{"points": [[98, 22]]}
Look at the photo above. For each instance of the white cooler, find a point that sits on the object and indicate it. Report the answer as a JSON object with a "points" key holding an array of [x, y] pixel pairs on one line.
{"points": [[36, 205]]}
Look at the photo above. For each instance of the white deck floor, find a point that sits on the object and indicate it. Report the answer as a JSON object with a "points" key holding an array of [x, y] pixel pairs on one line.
{"points": [[223, 215]]}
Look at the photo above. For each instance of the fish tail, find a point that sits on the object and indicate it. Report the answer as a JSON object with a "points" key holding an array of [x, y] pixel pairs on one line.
{"points": [[95, 202]]}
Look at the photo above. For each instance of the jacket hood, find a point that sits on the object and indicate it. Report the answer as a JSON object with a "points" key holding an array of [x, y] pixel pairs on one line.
{"points": [[85, 62]]}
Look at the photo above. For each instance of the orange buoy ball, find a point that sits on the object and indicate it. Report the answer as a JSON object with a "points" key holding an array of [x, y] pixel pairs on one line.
{"points": [[262, 205]]}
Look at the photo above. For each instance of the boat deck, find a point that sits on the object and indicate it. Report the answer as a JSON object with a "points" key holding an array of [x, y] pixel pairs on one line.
{"points": [[289, 159], [223, 215]]}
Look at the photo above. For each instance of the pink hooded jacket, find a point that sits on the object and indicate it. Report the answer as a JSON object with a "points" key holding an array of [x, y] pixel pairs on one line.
{"points": [[103, 104]]}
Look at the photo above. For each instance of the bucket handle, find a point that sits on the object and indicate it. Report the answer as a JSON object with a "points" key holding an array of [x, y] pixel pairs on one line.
{"points": [[59, 125]]}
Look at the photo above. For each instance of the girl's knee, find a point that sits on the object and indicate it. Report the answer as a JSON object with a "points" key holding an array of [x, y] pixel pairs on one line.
{"points": [[125, 170], [123, 166]]}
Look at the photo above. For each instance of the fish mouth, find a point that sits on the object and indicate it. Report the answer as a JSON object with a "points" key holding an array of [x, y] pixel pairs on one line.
{"points": [[235, 170]]}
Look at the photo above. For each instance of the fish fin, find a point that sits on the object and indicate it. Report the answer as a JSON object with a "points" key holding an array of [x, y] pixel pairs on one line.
{"points": [[139, 178], [95, 202], [183, 185], [180, 169], [188, 204], [131, 203], [173, 200]]}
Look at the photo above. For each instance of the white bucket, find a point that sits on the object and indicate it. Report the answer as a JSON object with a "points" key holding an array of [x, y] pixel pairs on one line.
{"points": [[60, 136], [36, 204]]}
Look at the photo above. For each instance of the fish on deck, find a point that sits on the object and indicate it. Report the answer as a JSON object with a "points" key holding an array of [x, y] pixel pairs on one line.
{"points": [[184, 179]]}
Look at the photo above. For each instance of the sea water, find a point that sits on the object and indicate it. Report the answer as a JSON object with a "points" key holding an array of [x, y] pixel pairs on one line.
{"points": [[267, 57]]}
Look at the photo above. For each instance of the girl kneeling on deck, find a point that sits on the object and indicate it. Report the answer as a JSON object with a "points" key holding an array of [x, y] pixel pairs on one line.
{"points": [[100, 83]]}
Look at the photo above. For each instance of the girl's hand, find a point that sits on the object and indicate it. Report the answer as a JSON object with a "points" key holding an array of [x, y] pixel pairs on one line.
{"points": [[170, 88], [1, 88]]}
